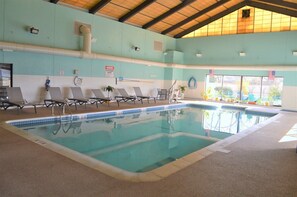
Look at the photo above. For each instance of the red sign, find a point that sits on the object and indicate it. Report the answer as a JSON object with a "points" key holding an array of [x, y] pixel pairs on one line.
{"points": [[109, 68], [271, 75]]}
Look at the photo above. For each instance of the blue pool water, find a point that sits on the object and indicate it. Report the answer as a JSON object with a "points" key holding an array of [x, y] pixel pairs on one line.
{"points": [[142, 141]]}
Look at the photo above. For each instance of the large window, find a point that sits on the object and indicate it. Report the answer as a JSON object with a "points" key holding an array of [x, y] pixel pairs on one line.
{"points": [[247, 89], [238, 22]]}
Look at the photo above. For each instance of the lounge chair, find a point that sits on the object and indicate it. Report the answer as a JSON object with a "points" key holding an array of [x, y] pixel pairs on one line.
{"points": [[124, 96], [56, 97], [99, 96], [79, 98], [140, 96], [162, 94], [15, 98]]}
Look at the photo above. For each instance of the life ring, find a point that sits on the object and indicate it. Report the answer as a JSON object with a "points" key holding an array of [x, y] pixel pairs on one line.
{"points": [[192, 83], [77, 81]]}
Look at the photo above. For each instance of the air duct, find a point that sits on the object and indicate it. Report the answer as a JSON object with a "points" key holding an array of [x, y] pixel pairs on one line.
{"points": [[86, 32]]}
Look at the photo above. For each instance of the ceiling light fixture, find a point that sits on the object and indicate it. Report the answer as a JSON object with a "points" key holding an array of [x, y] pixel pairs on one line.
{"points": [[242, 54], [33, 30], [198, 54]]}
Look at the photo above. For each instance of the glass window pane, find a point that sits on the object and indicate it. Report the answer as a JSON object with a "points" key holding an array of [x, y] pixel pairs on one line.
{"points": [[251, 89], [212, 84], [231, 88], [272, 91]]}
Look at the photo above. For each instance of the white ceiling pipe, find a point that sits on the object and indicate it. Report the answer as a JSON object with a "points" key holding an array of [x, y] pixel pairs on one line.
{"points": [[39, 49], [73, 53], [86, 32]]}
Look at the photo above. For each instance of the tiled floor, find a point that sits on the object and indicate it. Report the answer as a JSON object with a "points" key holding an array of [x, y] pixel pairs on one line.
{"points": [[257, 165]]}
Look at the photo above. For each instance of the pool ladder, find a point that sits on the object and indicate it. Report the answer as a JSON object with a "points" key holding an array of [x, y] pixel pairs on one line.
{"points": [[61, 118], [171, 98]]}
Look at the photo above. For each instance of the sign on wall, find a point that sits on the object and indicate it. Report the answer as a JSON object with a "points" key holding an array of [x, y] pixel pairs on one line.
{"points": [[109, 71]]}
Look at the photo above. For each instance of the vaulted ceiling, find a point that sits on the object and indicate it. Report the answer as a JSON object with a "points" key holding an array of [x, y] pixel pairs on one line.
{"points": [[174, 18]]}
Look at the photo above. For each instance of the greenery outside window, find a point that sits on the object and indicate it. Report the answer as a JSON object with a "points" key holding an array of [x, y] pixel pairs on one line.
{"points": [[247, 89]]}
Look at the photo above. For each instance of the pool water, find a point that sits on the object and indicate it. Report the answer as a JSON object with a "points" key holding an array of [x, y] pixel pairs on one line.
{"points": [[140, 142]]}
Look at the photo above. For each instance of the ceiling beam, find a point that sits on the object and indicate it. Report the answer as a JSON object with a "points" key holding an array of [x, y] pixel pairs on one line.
{"points": [[198, 14], [168, 13], [136, 10], [282, 3], [211, 19], [54, 1], [98, 6], [272, 8]]}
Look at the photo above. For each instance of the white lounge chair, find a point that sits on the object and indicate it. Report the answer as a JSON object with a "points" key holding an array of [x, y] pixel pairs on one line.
{"points": [[140, 96], [15, 98], [79, 98], [124, 96], [100, 97]]}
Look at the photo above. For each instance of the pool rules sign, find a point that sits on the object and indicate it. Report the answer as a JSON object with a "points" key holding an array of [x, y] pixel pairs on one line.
{"points": [[109, 71]]}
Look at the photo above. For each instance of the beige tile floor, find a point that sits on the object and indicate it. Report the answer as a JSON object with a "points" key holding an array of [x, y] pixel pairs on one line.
{"points": [[256, 165]]}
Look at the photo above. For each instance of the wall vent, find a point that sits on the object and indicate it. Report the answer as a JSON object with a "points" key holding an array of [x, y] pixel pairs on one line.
{"points": [[245, 13], [158, 46], [77, 26]]}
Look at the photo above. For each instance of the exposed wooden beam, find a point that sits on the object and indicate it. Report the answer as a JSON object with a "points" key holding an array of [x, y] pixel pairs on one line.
{"points": [[98, 6], [211, 19], [198, 14], [136, 10], [54, 1], [272, 8], [168, 13], [282, 3]]}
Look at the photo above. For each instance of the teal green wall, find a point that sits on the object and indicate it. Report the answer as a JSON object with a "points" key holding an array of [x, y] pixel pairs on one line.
{"points": [[173, 74], [56, 25], [50, 65], [198, 74], [18, 15], [2, 19], [260, 48], [290, 77]]}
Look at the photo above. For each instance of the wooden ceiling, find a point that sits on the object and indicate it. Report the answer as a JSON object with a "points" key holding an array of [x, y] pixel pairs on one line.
{"points": [[174, 18]]}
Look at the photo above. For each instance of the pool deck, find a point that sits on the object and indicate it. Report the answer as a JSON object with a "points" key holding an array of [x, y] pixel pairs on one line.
{"points": [[256, 165]]}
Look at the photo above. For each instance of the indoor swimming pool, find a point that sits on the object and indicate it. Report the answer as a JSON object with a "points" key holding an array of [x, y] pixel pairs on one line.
{"points": [[143, 139]]}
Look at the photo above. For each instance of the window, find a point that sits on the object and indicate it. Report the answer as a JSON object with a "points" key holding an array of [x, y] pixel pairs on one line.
{"points": [[5, 79], [251, 89], [271, 90], [248, 20], [248, 89]]}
